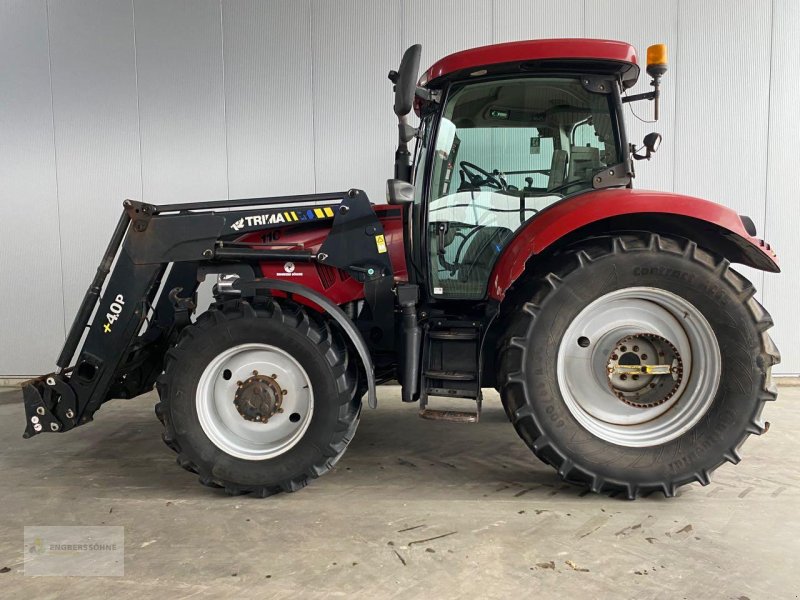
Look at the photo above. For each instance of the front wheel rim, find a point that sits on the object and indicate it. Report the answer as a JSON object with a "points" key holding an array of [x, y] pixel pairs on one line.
{"points": [[623, 398], [227, 401]]}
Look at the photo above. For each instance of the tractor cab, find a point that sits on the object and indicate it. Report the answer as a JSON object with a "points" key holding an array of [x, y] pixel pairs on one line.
{"points": [[507, 131]]}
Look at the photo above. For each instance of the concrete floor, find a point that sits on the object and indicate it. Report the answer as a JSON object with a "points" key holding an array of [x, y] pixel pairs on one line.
{"points": [[415, 509]]}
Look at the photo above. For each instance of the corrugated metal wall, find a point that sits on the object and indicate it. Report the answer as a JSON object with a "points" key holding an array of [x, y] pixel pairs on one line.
{"points": [[180, 100]]}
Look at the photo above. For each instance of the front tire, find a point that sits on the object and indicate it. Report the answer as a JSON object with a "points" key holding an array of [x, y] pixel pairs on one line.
{"points": [[568, 372], [258, 397]]}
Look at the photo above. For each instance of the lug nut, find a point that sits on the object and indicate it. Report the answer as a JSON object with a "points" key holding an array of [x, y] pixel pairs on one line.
{"points": [[34, 419], [40, 410], [69, 414], [54, 426], [37, 427], [51, 381], [623, 377], [644, 356], [636, 348]]}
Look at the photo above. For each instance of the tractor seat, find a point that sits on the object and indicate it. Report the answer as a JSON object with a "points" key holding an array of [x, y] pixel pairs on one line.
{"points": [[584, 162]]}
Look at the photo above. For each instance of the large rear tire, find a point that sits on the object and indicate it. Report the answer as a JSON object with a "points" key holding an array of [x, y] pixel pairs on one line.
{"points": [[258, 397], [691, 325]]}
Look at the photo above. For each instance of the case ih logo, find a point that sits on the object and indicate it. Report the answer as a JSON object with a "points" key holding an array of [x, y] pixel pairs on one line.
{"points": [[289, 270], [289, 216]]}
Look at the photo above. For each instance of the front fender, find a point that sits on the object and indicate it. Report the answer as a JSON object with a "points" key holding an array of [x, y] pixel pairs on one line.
{"points": [[597, 211], [250, 287]]}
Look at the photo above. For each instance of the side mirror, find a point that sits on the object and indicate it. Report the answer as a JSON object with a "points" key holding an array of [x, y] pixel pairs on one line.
{"points": [[405, 80], [651, 143], [399, 192]]}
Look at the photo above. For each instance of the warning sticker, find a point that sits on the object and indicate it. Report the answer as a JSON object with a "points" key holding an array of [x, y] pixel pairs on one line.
{"points": [[380, 242]]}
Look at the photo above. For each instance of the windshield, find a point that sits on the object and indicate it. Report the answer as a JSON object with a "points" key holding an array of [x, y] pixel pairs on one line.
{"points": [[504, 150]]}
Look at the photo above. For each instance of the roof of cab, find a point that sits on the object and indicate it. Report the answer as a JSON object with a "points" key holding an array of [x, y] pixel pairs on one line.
{"points": [[533, 50]]}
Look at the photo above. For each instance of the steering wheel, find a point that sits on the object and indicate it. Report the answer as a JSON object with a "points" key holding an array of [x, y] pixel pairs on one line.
{"points": [[474, 172]]}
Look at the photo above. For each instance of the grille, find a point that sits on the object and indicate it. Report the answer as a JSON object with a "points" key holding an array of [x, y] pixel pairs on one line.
{"points": [[327, 275]]}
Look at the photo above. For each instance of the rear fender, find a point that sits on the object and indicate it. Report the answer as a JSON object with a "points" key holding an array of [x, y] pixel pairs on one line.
{"points": [[712, 226]]}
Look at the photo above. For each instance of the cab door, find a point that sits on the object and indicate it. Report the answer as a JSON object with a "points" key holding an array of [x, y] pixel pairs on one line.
{"points": [[505, 150]]}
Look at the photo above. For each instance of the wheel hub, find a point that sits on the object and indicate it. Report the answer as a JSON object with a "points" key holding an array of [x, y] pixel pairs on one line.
{"points": [[644, 370], [258, 398]]}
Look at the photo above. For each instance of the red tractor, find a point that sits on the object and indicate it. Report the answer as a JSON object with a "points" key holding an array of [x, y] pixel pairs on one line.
{"points": [[513, 253]]}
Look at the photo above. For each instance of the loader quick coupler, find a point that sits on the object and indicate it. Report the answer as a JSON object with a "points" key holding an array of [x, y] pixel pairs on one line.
{"points": [[50, 405]]}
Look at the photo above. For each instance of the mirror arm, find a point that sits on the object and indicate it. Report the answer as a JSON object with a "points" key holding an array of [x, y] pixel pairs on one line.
{"points": [[402, 156], [645, 156], [428, 95], [402, 162], [407, 132]]}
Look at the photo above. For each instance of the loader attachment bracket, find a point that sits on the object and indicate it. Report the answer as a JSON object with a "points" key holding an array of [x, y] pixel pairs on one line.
{"points": [[356, 244], [50, 405]]}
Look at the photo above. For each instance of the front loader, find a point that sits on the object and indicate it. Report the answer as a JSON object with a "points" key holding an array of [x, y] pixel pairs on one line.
{"points": [[513, 253]]}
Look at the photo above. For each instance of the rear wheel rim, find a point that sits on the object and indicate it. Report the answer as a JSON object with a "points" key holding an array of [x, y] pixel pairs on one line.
{"points": [[247, 371], [597, 366]]}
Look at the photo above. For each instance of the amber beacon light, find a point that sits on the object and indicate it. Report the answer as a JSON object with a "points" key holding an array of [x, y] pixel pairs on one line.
{"points": [[656, 67], [657, 60]]}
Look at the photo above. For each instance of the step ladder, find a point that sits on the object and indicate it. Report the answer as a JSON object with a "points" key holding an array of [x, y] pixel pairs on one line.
{"points": [[450, 369]]}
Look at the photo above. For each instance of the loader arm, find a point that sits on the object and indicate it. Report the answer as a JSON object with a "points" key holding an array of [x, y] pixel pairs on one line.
{"points": [[143, 293]]}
